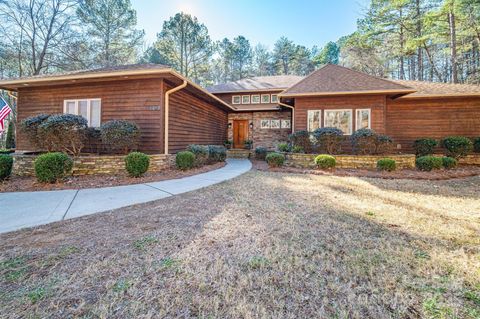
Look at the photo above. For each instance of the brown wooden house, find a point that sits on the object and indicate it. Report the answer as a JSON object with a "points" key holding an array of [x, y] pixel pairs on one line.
{"points": [[173, 112]]}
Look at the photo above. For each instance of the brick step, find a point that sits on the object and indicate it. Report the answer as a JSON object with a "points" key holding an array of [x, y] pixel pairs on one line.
{"points": [[238, 153]]}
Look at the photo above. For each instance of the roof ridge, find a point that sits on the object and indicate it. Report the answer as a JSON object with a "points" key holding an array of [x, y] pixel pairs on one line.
{"points": [[306, 77]]}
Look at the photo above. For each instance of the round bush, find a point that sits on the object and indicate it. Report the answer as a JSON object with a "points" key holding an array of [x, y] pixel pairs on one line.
{"points": [[325, 161], [283, 147], [137, 163], [301, 139], [427, 163], [449, 162], [363, 141], [476, 145], [120, 135], [6, 164], [260, 153], [29, 127], [185, 160], [217, 153], [424, 146], [457, 146], [386, 164], [298, 149], [63, 133], [52, 167], [329, 139], [201, 154], [275, 159]]}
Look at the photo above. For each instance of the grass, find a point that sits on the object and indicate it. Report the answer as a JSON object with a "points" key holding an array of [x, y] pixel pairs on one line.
{"points": [[261, 246]]}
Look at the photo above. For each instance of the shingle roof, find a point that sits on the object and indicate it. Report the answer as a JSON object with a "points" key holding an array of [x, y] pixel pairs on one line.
{"points": [[431, 89], [334, 79], [258, 83], [110, 69]]}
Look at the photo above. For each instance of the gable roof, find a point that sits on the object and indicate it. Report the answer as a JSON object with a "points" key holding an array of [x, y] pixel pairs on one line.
{"points": [[435, 89], [259, 83], [337, 80]]}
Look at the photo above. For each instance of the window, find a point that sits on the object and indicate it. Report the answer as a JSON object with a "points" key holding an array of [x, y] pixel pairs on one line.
{"points": [[275, 124], [363, 119], [286, 124], [265, 98], [341, 119], [265, 124], [274, 98], [88, 108], [245, 99], [236, 99], [255, 99], [314, 120]]}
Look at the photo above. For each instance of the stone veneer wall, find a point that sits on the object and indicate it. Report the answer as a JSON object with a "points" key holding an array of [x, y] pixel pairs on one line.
{"points": [[268, 138], [93, 165], [350, 161]]}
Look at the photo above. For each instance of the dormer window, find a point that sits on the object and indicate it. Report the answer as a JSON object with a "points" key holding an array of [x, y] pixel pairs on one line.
{"points": [[265, 98], [245, 99], [236, 99]]}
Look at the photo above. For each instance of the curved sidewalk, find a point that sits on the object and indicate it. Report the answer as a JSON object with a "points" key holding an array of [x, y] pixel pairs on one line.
{"points": [[26, 209]]}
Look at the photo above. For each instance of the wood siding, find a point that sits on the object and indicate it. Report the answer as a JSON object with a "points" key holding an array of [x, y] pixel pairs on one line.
{"points": [[377, 104], [410, 119], [194, 121], [133, 100]]}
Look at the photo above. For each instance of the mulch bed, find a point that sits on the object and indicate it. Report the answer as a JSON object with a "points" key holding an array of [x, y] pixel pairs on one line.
{"points": [[459, 172], [27, 184]]}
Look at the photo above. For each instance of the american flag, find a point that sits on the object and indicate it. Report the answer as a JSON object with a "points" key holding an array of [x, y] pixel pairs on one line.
{"points": [[4, 111]]}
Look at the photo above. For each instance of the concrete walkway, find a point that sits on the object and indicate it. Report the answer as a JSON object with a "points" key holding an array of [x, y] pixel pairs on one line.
{"points": [[26, 209]]}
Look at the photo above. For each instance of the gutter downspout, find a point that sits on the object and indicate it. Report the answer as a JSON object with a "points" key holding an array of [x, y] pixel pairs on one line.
{"points": [[293, 113], [167, 106]]}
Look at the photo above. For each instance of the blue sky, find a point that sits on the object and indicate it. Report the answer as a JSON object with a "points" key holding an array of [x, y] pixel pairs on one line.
{"points": [[306, 22]]}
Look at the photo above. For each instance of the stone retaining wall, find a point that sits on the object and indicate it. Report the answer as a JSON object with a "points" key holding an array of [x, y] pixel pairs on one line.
{"points": [[349, 161], [93, 165], [473, 159]]}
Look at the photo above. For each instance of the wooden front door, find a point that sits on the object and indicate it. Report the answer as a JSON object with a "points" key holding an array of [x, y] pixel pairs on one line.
{"points": [[240, 133]]}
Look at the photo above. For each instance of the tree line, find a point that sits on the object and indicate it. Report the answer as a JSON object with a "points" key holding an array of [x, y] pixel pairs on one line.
{"points": [[435, 40]]}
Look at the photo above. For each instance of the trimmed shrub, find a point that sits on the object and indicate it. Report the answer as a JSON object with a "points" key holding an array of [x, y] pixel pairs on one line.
{"points": [[364, 141], [383, 144], [476, 145], [427, 163], [457, 146], [64, 133], [261, 153], [298, 149], [449, 162], [201, 153], [216, 153], [424, 146], [329, 139], [137, 164], [386, 164], [301, 139], [10, 140], [52, 167], [275, 159], [283, 147], [6, 164], [185, 160], [29, 127], [120, 135], [325, 161]]}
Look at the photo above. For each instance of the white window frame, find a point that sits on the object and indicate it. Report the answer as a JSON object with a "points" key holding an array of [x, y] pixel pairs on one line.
{"points": [[267, 122], [339, 110], [265, 95], [259, 99], [357, 111], [289, 125], [245, 96], [278, 124], [276, 98], [319, 119], [239, 97], [89, 103]]}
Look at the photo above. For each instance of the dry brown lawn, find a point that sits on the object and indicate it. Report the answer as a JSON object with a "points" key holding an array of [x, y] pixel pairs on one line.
{"points": [[264, 245]]}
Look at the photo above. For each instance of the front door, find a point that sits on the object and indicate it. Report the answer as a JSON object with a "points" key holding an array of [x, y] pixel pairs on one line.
{"points": [[240, 133]]}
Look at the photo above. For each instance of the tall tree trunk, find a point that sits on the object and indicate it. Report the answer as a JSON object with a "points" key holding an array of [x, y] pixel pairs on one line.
{"points": [[453, 45], [434, 69], [419, 34]]}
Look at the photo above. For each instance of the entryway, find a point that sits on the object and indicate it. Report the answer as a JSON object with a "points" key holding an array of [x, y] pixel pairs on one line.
{"points": [[240, 133]]}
